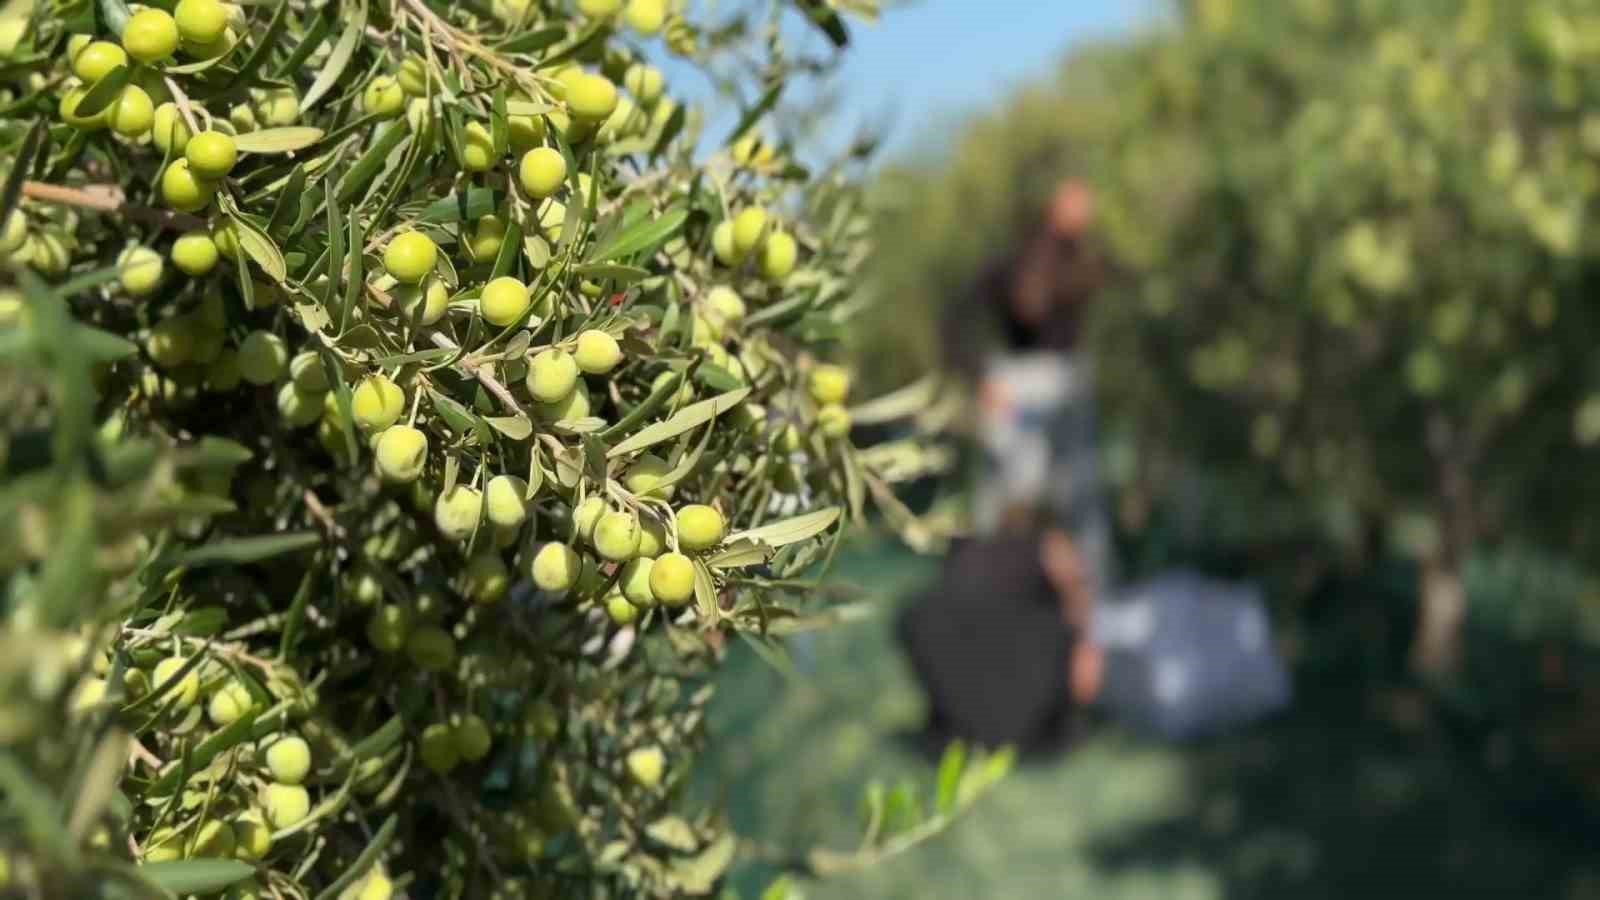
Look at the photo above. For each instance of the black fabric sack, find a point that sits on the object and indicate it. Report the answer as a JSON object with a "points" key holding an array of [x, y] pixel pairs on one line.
{"points": [[989, 647]]}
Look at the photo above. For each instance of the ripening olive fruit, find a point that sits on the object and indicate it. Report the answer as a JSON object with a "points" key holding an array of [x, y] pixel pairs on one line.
{"points": [[252, 838], [211, 154], [388, 628], [401, 454], [587, 515], [410, 256], [182, 694], [426, 302], [139, 270], [600, 9], [575, 405], [168, 131], [96, 60], [285, 804], [833, 421], [542, 172], [90, 693], [749, 229], [700, 527], [620, 610], [150, 35], [414, 76], [185, 191], [262, 357], [298, 408], [685, 391], [829, 384], [591, 98], [194, 253], [616, 536], [231, 701], [384, 97], [635, 582], [646, 766], [472, 737], [15, 231], [722, 244], [646, 16], [504, 302], [69, 111], [645, 83], [308, 372], [778, 256], [724, 305], [279, 107], [486, 579], [200, 21], [164, 845], [646, 474], [213, 840], [505, 496], [477, 148], [555, 567], [597, 352], [457, 511], [376, 887], [525, 133], [552, 375], [652, 537], [431, 648], [289, 759], [377, 403], [488, 235], [438, 749]]}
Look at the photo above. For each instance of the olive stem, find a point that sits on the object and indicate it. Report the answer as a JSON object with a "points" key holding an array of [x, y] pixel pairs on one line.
{"points": [[482, 373], [109, 198]]}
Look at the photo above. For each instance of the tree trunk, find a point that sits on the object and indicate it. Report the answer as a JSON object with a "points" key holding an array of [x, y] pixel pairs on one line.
{"points": [[1442, 615], [1436, 652]]}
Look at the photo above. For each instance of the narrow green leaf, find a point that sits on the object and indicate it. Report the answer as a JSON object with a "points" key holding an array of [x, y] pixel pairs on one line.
{"points": [[738, 554], [105, 92], [239, 551], [793, 530], [196, 876], [611, 272], [365, 861], [477, 203], [531, 41], [278, 140], [337, 60], [11, 194], [294, 620], [114, 14], [650, 233], [692, 416], [950, 766], [219, 741], [99, 782], [518, 428], [754, 113], [371, 162]]}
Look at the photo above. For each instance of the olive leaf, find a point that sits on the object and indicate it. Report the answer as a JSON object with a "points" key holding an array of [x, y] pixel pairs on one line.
{"points": [[277, 140], [692, 416]]}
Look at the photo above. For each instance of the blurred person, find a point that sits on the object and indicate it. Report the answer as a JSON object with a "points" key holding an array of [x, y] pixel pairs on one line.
{"points": [[1026, 632]]}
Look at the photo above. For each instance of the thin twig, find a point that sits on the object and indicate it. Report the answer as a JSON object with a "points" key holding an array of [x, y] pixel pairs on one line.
{"points": [[109, 198], [321, 514], [142, 753], [482, 372]]}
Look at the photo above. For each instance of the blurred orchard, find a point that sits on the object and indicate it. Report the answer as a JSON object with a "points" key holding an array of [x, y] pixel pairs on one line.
{"points": [[1349, 338]]}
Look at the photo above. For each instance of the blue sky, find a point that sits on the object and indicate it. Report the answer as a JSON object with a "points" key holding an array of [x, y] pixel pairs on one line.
{"points": [[928, 62], [935, 59]]}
